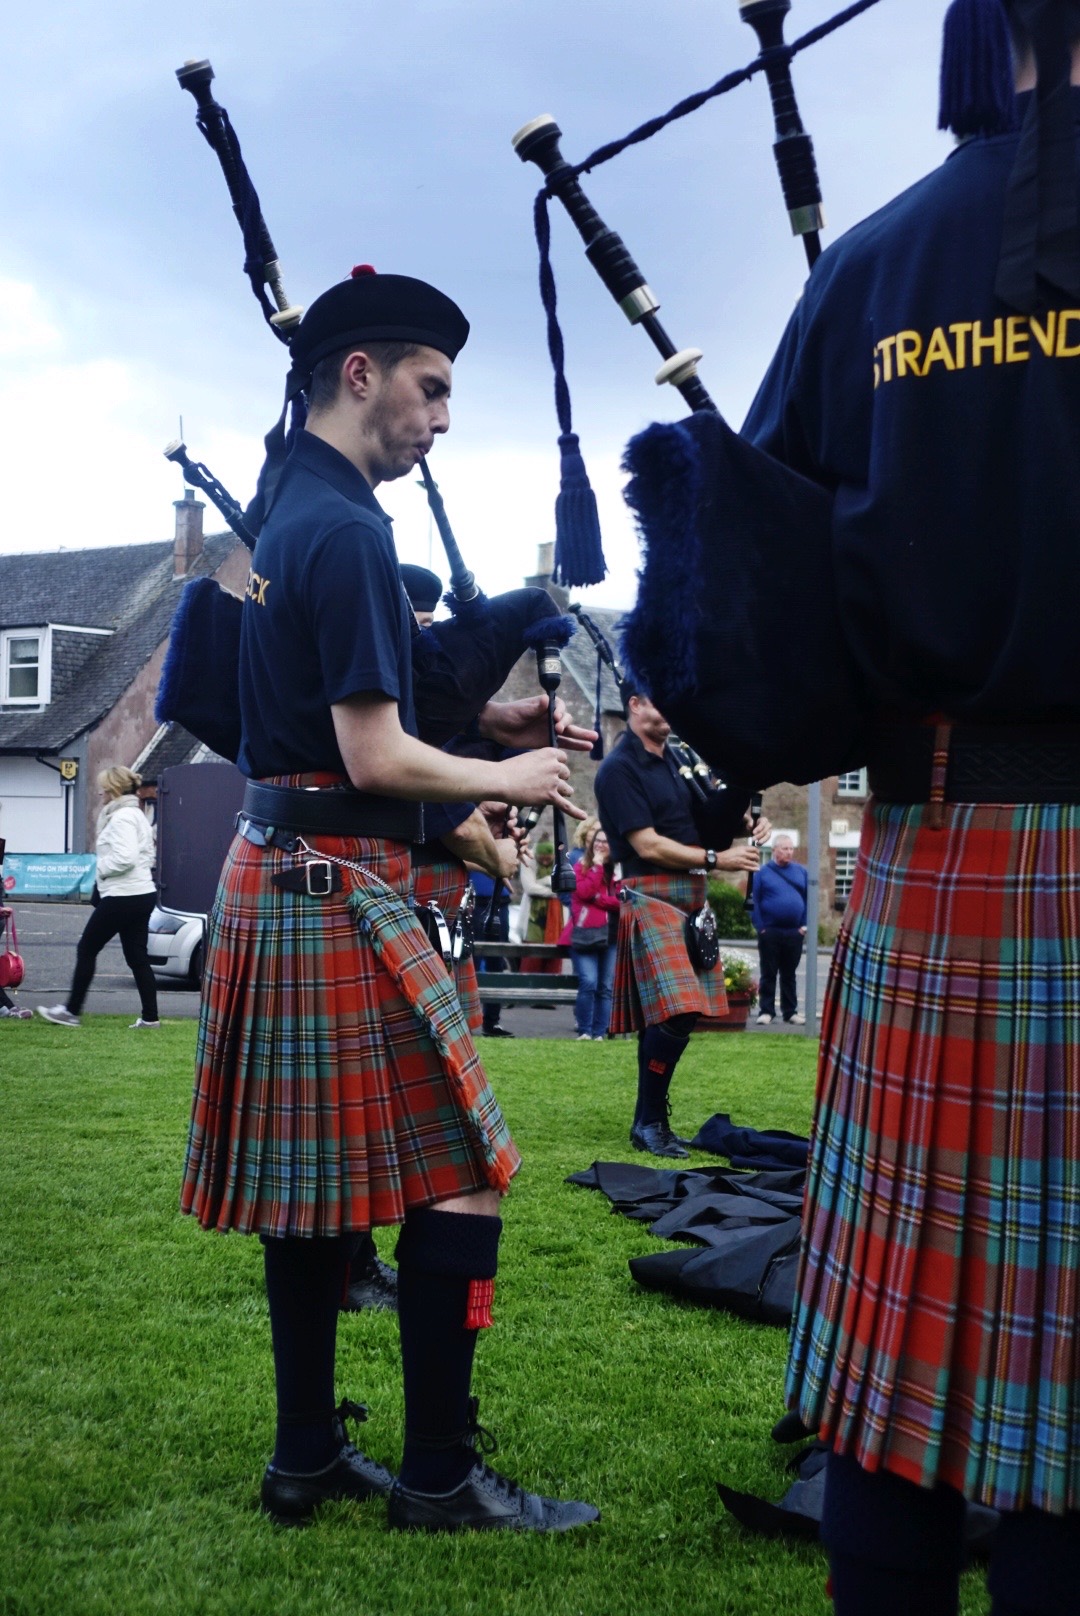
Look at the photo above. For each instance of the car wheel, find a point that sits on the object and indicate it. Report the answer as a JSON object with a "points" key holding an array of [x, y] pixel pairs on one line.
{"points": [[195, 969]]}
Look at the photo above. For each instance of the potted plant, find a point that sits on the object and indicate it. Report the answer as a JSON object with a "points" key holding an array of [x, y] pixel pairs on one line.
{"points": [[740, 985]]}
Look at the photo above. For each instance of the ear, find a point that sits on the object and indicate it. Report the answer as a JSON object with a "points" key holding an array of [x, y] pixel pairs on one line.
{"points": [[357, 373]]}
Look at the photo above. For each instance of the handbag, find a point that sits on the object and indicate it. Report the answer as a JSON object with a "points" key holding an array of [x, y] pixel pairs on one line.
{"points": [[12, 968], [702, 939], [589, 939]]}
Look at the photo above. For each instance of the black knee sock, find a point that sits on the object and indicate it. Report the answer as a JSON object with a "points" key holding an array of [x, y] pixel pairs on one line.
{"points": [[658, 1055], [876, 1529], [303, 1288], [446, 1265]]}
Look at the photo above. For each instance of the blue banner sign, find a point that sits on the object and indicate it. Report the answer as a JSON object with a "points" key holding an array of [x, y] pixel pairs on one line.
{"points": [[49, 875]]}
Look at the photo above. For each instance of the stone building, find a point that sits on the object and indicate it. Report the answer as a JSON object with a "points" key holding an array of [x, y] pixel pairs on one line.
{"points": [[83, 635]]}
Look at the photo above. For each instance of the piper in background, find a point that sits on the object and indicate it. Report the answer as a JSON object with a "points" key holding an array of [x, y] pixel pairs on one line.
{"points": [[930, 377], [645, 809]]}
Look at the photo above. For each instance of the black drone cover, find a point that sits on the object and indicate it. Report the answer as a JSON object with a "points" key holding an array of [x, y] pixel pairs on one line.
{"points": [[458, 664], [736, 633]]}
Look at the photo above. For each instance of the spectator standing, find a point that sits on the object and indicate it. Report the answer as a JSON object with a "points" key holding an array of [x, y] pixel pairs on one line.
{"points": [[779, 917], [592, 938], [540, 917], [125, 881]]}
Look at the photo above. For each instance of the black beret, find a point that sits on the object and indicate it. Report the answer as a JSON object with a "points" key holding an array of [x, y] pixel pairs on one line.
{"points": [[423, 587], [378, 308]]}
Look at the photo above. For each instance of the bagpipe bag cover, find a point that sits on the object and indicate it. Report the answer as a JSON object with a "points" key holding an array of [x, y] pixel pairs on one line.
{"points": [[458, 663], [736, 635]]}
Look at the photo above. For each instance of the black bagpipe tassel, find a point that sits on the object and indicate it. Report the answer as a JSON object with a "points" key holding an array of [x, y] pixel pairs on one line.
{"points": [[579, 550], [977, 91]]}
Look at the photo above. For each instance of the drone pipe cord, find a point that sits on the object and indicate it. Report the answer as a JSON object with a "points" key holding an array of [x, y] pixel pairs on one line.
{"points": [[261, 260], [538, 142]]}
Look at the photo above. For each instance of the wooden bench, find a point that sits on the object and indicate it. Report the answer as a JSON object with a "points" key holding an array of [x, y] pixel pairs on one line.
{"points": [[524, 987]]}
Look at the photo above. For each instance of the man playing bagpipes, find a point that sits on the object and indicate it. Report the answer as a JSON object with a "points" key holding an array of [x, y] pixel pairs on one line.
{"points": [[337, 1084], [930, 380], [659, 991]]}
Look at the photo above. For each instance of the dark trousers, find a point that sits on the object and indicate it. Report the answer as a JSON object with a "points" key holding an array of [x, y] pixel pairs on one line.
{"points": [[896, 1549], [779, 951], [496, 931], [128, 917]]}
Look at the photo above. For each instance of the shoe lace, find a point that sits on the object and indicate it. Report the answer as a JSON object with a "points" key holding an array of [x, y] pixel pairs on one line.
{"points": [[477, 1436], [348, 1410]]}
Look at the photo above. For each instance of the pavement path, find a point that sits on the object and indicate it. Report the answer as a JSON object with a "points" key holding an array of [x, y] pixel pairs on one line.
{"points": [[48, 933]]}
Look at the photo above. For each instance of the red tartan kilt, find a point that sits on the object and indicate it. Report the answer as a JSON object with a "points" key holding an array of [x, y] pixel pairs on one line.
{"points": [[321, 1103], [937, 1319], [445, 882], [654, 979]]}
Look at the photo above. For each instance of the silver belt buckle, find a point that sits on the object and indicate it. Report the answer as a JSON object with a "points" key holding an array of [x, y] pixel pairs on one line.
{"points": [[326, 884]]}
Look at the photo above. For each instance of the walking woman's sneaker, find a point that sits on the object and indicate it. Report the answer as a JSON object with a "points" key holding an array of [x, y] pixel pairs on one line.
{"points": [[58, 1013], [142, 1023]]}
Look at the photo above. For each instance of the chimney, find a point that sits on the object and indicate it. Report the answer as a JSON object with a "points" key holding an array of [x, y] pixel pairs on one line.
{"points": [[188, 543], [541, 578]]}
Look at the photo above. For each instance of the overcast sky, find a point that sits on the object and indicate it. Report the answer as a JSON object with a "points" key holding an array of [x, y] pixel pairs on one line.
{"points": [[381, 133]]}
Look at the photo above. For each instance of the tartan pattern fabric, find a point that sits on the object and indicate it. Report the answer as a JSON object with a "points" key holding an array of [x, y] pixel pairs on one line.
{"points": [[445, 882], [336, 1081], [654, 979], [937, 1317]]}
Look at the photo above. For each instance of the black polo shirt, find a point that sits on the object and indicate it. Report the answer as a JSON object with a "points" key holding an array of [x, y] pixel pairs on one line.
{"points": [[947, 426], [325, 615], [636, 789]]}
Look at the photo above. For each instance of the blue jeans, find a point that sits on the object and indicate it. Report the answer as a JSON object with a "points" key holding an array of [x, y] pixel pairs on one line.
{"points": [[595, 971]]}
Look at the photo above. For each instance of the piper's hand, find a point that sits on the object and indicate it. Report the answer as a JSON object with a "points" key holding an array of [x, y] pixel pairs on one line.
{"points": [[542, 776], [761, 831], [525, 724], [738, 858], [507, 850]]}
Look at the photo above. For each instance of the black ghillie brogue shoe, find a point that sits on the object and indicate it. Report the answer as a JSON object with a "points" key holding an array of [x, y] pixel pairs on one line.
{"points": [[291, 1499], [485, 1501], [372, 1290], [658, 1139]]}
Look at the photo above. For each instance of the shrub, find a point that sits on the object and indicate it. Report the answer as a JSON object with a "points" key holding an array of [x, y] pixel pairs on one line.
{"points": [[727, 905]]}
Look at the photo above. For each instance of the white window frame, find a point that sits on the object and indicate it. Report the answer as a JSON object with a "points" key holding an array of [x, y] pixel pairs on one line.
{"points": [[846, 788], [850, 858], [44, 639]]}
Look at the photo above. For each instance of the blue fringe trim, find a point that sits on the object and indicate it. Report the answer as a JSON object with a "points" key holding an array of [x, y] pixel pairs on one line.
{"points": [[467, 611], [171, 669], [660, 632], [550, 631]]}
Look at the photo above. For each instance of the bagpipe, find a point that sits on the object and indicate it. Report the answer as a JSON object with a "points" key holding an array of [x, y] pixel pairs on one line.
{"points": [[718, 806], [736, 633], [458, 663]]}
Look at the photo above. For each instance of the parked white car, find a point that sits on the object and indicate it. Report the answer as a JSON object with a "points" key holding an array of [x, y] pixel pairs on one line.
{"points": [[176, 947]]}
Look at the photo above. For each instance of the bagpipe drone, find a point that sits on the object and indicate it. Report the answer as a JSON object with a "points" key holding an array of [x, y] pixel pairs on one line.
{"points": [[734, 541], [458, 663]]}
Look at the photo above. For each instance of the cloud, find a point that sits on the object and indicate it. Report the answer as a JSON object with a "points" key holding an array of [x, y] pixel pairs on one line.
{"points": [[26, 328]]}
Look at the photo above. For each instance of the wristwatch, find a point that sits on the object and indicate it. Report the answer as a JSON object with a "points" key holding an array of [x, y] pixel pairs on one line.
{"points": [[710, 859]]}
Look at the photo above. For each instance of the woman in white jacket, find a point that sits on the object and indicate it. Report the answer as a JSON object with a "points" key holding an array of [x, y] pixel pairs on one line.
{"points": [[125, 882]]}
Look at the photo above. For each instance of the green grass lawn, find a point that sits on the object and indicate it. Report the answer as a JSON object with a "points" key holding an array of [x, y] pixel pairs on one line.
{"points": [[136, 1387]]}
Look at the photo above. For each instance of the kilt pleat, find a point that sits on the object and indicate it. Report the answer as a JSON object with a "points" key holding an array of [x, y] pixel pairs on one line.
{"points": [[654, 979], [336, 1081], [445, 882], [937, 1319]]}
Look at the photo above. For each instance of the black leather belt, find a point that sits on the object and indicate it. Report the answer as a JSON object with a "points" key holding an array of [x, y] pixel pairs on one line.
{"points": [[332, 812], [986, 763]]}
